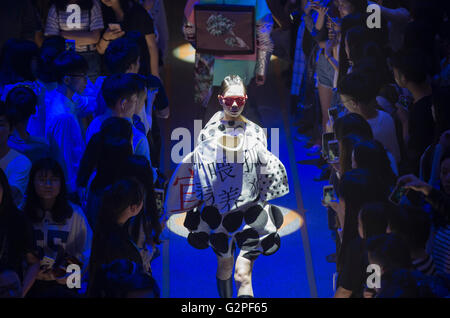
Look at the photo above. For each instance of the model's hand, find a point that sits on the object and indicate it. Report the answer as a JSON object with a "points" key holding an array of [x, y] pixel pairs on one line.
{"points": [[402, 113]]}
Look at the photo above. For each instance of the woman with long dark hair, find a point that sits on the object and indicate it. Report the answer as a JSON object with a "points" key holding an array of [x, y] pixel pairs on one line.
{"points": [[121, 201], [356, 188], [372, 220], [16, 239], [62, 233]]}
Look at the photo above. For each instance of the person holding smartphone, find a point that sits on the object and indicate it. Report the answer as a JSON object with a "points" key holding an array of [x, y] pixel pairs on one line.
{"points": [[134, 20], [86, 33]]}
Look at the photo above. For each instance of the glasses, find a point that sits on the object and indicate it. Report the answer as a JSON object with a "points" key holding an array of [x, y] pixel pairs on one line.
{"points": [[229, 101]]}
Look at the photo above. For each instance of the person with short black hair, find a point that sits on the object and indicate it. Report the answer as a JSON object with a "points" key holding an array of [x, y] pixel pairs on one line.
{"points": [[123, 94], [20, 105], [62, 123], [358, 92], [120, 202], [15, 165], [411, 69], [123, 55]]}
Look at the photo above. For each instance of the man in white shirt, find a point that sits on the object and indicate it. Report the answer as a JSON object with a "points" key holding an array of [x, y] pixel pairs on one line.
{"points": [[62, 115], [123, 95]]}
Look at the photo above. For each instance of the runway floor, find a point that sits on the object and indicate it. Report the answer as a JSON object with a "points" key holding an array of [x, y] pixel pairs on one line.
{"points": [[299, 268]]}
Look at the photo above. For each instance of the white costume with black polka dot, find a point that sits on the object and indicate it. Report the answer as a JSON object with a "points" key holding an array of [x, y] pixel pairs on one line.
{"points": [[224, 186]]}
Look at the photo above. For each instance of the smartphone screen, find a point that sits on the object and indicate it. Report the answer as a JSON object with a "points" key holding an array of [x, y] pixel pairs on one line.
{"points": [[159, 198], [326, 137], [70, 45], [333, 151], [397, 195], [328, 194]]}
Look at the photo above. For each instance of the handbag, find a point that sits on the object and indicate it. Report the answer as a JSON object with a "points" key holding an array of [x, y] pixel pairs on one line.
{"points": [[225, 29]]}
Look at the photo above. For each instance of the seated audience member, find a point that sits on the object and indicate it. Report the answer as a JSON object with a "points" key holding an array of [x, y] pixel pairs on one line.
{"points": [[358, 93], [17, 255], [121, 93], [372, 156], [20, 105], [440, 202], [15, 165], [61, 231], [411, 69], [126, 279], [120, 202], [372, 220], [398, 280], [62, 122], [16, 64]]}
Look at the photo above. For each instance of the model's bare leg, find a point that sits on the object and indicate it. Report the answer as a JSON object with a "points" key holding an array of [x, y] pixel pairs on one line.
{"points": [[326, 97], [243, 276], [223, 276]]}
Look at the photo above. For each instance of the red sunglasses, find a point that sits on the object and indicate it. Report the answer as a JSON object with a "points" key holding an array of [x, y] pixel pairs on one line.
{"points": [[229, 101]]}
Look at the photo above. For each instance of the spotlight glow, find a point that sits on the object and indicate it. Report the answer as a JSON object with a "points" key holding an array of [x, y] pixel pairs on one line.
{"points": [[186, 53], [292, 221]]}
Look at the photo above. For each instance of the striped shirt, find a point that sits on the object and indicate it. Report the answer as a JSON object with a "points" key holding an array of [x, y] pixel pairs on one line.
{"points": [[425, 265], [89, 21], [441, 249]]}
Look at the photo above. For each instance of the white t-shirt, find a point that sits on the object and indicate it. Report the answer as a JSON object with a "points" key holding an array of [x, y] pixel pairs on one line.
{"points": [[17, 169], [74, 236], [383, 128], [64, 135]]}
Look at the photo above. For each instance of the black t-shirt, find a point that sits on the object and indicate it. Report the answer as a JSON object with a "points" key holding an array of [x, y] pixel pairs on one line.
{"points": [[353, 275], [16, 240], [161, 100], [421, 129], [137, 23], [118, 245]]}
